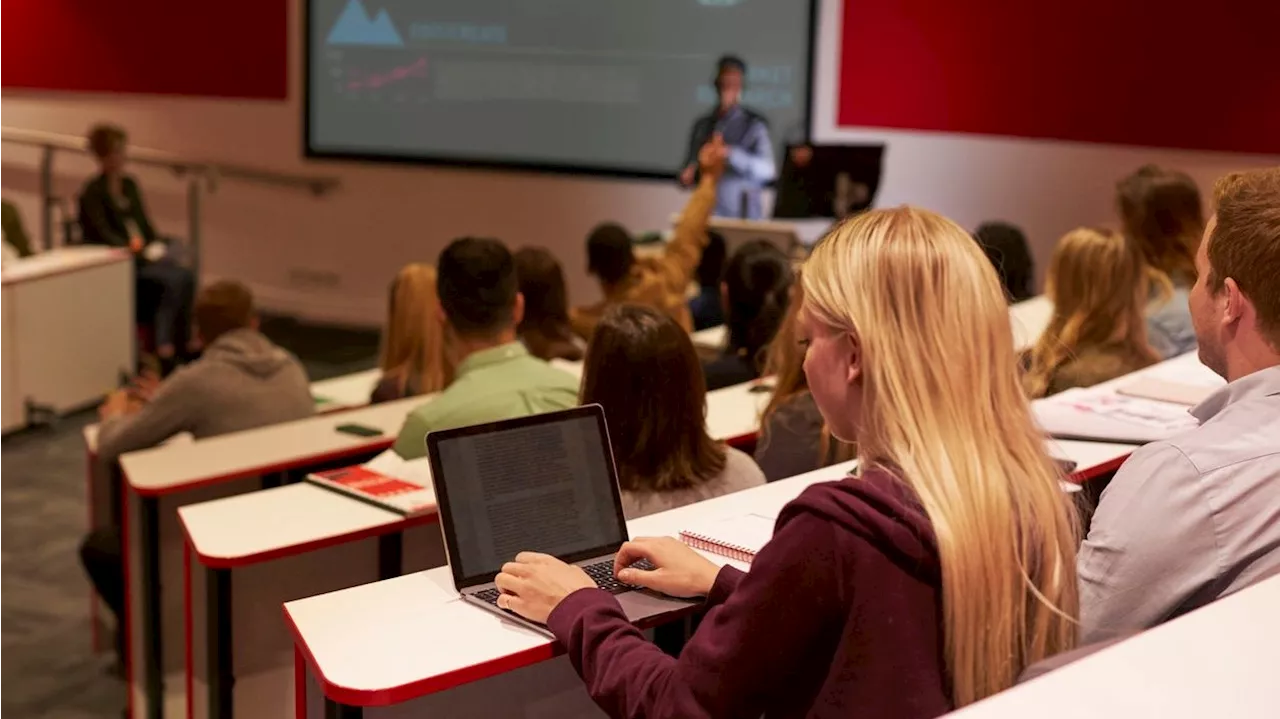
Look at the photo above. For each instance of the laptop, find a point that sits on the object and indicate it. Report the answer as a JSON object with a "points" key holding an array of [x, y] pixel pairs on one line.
{"points": [[545, 483]]}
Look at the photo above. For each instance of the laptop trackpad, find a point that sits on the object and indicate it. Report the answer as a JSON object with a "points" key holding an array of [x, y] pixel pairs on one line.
{"points": [[642, 605]]}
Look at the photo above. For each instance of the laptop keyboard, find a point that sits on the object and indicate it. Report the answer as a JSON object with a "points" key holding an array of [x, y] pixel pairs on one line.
{"points": [[600, 572]]}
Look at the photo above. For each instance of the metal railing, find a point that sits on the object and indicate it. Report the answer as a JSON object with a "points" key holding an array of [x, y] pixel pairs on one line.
{"points": [[200, 175]]}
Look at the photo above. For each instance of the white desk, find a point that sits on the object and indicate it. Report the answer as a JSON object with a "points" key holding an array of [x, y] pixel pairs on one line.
{"points": [[280, 544], [1029, 318], [1060, 418], [1218, 661], [159, 480], [733, 413], [712, 338], [345, 392], [410, 638], [68, 329]]}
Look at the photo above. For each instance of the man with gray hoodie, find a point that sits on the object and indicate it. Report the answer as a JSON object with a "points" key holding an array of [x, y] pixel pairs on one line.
{"points": [[241, 381]]}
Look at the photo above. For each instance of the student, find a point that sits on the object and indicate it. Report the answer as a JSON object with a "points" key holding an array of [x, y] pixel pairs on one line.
{"points": [[857, 606], [705, 306], [15, 234], [658, 282], [545, 329], [112, 213], [496, 377], [1006, 247], [241, 381], [1160, 210], [755, 288], [1098, 285], [794, 439], [413, 358], [642, 368], [1197, 517]]}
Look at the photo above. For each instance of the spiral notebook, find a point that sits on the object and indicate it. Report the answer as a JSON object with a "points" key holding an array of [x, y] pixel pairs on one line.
{"points": [[739, 538]]}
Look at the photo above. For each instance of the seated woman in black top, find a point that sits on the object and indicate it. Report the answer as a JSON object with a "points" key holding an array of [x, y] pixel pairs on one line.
{"points": [[755, 292], [112, 213]]}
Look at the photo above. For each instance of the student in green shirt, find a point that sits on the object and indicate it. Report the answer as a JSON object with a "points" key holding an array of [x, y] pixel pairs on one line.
{"points": [[496, 377]]}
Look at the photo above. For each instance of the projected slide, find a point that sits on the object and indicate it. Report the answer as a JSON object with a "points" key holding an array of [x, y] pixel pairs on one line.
{"points": [[594, 85]]}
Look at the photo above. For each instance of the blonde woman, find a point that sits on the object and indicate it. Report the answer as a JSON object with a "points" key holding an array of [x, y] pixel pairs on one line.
{"points": [[794, 438], [926, 582], [413, 358], [1098, 285]]}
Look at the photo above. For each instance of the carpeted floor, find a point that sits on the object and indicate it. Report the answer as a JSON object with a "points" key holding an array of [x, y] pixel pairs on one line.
{"points": [[48, 667]]}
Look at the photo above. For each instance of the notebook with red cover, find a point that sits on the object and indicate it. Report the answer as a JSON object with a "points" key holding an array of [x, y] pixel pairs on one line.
{"points": [[739, 538], [399, 486]]}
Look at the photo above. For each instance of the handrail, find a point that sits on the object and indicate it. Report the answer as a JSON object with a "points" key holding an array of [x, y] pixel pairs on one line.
{"points": [[195, 170], [181, 165]]}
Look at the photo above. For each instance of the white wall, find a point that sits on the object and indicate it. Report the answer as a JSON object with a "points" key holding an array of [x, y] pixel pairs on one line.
{"points": [[283, 242]]}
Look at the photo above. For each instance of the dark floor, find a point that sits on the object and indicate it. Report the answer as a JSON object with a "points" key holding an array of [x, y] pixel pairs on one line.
{"points": [[48, 668]]}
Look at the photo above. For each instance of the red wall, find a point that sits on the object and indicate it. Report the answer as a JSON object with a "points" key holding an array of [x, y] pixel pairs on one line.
{"points": [[229, 48], [1202, 74]]}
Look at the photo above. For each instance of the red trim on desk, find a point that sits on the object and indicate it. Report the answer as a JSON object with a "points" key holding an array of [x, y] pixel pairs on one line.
{"points": [[91, 459], [128, 595], [374, 446], [441, 682], [187, 627], [115, 255], [299, 684], [213, 562], [422, 687], [1098, 470]]}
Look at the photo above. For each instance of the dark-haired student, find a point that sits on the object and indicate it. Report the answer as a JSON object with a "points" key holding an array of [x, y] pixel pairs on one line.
{"points": [[495, 377], [705, 307], [112, 213], [658, 282], [545, 329], [756, 287], [1197, 517], [642, 368], [794, 437], [880, 594], [1160, 210], [1006, 246]]}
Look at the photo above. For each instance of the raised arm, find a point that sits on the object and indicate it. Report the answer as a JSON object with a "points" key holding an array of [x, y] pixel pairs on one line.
{"points": [[684, 251]]}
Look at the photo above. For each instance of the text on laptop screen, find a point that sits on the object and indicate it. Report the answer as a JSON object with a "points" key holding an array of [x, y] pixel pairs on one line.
{"points": [[543, 488]]}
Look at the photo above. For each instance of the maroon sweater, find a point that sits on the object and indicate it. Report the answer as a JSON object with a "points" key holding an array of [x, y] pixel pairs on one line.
{"points": [[840, 616]]}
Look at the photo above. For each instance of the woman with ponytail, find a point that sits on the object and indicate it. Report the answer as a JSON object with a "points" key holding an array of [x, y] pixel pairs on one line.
{"points": [[756, 284], [924, 583]]}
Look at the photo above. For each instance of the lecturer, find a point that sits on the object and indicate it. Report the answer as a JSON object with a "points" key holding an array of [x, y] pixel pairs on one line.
{"points": [[750, 161]]}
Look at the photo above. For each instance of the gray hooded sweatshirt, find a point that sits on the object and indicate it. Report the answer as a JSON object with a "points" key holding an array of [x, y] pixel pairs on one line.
{"points": [[242, 381]]}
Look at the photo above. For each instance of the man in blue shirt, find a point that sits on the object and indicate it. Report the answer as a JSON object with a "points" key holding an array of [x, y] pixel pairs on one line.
{"points": [[749, 166]]}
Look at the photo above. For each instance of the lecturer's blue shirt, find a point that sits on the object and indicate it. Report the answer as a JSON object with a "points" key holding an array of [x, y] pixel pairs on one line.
{"points": [[750, 164]]}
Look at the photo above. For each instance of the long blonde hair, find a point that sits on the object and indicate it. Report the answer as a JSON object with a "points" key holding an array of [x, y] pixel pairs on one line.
{"points": [[943, 410], [1098, 285], [784, 362], [413, 343]]}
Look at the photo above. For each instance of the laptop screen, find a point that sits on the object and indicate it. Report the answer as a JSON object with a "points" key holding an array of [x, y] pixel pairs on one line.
{"points": [[544, 483]]}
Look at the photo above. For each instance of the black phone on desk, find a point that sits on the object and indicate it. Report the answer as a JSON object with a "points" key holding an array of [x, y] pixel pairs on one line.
{"points": [[359, 430]]}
